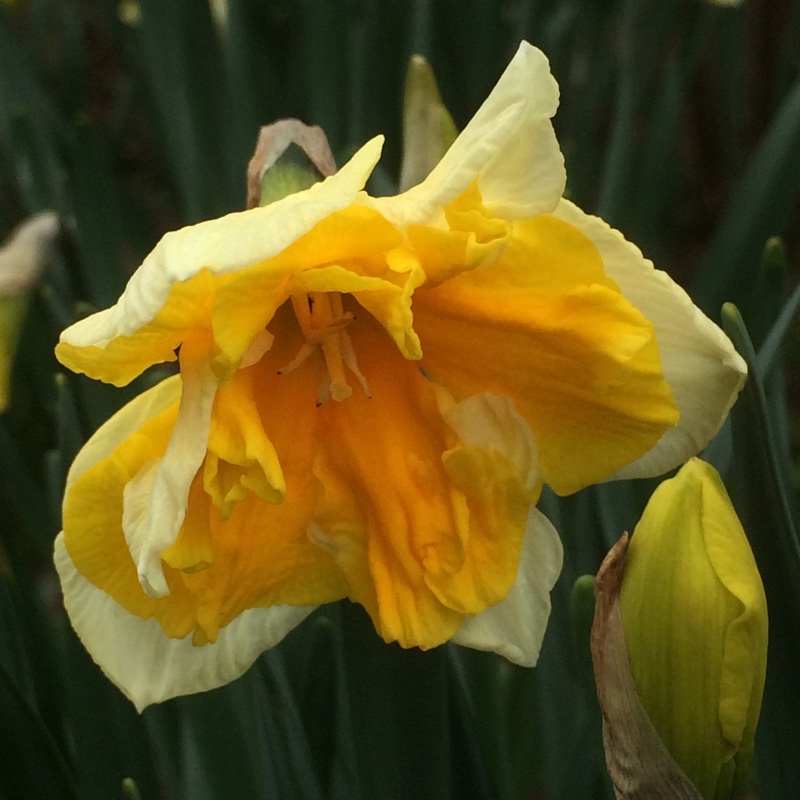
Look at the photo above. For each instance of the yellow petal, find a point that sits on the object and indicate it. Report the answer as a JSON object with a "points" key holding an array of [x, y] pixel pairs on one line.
{"points": [[497, 504], [147, 322], [163, 396], [357, 237], [215, 569], [388, 301], [423, 528], [703, 370], [474, 238], [544, 326], [509, 146], [193, 549], [118, 361], [263, 551], [492, 423], [240, 457], [93, 516]]}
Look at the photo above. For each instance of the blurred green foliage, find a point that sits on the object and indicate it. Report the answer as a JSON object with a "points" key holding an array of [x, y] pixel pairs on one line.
{"points": [[680, 124]]}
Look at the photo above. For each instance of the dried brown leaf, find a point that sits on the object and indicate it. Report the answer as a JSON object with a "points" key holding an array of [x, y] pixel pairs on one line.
{"points": [[274, 139], [640, 766]]}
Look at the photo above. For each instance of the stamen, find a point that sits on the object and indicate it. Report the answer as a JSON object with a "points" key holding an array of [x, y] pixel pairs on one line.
{"points": [[337, 308], [323, 321], [332, 350], [305, 351], [349, 356], [323, 390]]}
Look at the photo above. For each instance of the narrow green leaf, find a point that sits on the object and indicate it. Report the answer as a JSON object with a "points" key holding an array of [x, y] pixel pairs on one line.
{"points": [[107, 737], [568, 742], [488, 682], [769, 351], [255, 52], [763, 200], [325, 66], [180, 58], [24, 499], [763, 513], [223, 749], [399, 717], [286, 734], [33, 765], [308, 660], [786, 535], [470, 776], [31, 131]]}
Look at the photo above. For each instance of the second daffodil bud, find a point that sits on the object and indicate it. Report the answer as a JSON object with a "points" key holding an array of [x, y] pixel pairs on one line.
{"points": [[695, 620]]}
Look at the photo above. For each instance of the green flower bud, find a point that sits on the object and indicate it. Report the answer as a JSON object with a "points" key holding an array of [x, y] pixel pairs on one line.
{"points": [[695, 620], [428, 128]]}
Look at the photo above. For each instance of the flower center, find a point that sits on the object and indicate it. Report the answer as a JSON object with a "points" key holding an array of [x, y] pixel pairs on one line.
{"points": [[324, 323]]}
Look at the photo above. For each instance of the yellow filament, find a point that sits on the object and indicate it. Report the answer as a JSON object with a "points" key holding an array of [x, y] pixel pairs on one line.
{"points": [[323, 320]]}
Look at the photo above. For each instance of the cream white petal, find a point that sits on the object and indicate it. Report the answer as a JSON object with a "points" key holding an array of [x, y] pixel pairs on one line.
{"points": [[515, 626], [148, 666], [492, 423], [145, 550], [155, 500], [223, 245], [699, 362], [509, 145]]}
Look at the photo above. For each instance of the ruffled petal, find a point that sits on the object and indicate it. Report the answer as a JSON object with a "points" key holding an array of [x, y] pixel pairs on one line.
{"points": [[94, 502], [240, 458], [546, 327], [509, 146], [388, 301], [123, 358], [516, 625], [218, 247], [472, 239], [216, 568], [155, 499], [201, 525], [492, 423], [357, 237], [424, 527], [703, 370], [144, 662]]}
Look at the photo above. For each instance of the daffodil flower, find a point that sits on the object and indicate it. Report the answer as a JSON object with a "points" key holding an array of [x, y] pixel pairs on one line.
{"points": [[372, 393]]}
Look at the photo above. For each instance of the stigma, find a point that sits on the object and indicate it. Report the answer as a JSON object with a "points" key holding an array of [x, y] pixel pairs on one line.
{"points": [[324, 324]]}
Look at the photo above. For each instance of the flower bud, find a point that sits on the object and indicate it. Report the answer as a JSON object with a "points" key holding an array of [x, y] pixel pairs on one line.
{"points": [[23, 256], [695, 621], [428, 128]]}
